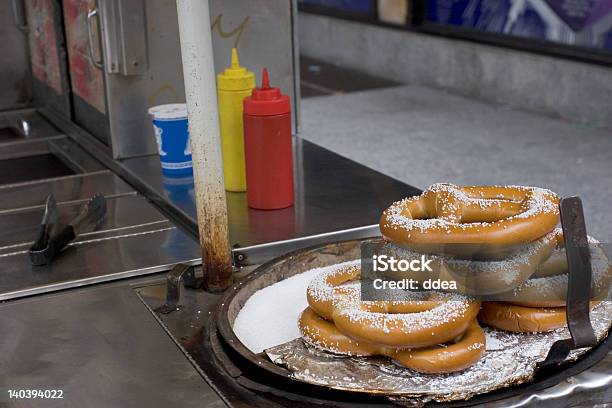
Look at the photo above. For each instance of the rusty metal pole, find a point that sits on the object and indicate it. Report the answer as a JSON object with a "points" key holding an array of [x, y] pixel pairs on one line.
{"points": [[201, 92]]}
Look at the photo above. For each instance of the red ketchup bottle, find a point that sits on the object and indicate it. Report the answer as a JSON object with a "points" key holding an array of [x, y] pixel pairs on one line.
{"points": [[267, 148]]}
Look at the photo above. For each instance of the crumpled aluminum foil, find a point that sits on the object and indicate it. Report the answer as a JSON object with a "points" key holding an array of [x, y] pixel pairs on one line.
{"points": [[510, 359]]}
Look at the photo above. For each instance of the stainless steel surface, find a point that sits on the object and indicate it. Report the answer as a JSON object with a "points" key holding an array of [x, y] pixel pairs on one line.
{"points": [[27, 160], [19, 148], [258, 254], [19, 15], [336, 199], [195, 307], [134, 239], [33, 135], [15, 87], [62, 148], [129, 97], [73, 155], [123, 214], [101, 346], [125, 37], [94, 259], [263, 30], [27, 123], [69, 189], [97, 61]]}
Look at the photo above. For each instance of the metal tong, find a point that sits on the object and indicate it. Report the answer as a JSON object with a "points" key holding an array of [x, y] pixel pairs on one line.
{"points": [[579, 284], [52, 237]]}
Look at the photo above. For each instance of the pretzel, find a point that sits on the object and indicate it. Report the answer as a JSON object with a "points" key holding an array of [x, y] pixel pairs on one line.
{"points": [[549, 286], [492, 215], [386, 324], [325, 290], [463, 352], [430, 319], [476, 277], [521, 319], [323, 334]]}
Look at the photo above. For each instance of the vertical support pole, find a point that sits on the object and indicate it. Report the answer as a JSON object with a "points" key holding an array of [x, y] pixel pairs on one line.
{"points": [[204, 131]]}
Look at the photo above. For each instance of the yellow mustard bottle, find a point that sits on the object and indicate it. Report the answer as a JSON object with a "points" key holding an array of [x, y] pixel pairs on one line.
{"points": [[233, 85]]}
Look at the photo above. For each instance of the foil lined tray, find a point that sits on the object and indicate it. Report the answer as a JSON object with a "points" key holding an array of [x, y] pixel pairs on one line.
{"points": [[511, 359]]}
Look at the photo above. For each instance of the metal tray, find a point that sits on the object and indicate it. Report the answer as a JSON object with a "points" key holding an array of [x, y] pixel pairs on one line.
{"points": [[306, 259]]}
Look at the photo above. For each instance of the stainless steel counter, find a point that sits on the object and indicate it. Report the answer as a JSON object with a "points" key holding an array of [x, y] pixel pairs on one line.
{"points": [[585, 389], [133, 239], [336, 199], [123, 214], [25, 124], [143, 251], [71, 189], [101, 347]]}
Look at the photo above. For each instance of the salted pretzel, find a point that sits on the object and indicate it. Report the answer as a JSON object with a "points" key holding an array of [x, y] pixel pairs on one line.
{"points": [[328, 288], [478, 277], [522, 319], [492, 215], [417, 320], [548, 287], [386, 323], [462, 352], [325, 335]]}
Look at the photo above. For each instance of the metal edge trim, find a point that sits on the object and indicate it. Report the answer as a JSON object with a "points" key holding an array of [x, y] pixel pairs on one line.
{"points": [[52, 179], [25, 141], [21, 111], [88, 234], [257, 254], [89, 281], [64, 203]]}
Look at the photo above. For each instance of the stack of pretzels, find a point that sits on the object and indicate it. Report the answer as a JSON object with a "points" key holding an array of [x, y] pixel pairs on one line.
{"points": [[427, 332], [539, 303], [509, 230]]}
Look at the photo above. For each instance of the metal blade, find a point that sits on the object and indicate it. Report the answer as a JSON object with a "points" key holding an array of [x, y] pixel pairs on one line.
{"points": [[50, 214], [91, 215]]}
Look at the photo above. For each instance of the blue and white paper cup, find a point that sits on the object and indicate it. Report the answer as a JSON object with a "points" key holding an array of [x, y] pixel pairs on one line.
{"points": [[172, 136]]}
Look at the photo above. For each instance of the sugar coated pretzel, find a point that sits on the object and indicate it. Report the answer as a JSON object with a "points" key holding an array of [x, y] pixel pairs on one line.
{"points": [[462, 352], [493, 215]]}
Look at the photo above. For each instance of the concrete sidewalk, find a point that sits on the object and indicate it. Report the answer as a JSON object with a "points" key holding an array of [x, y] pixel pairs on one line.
{"points": [[421, 136]]}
